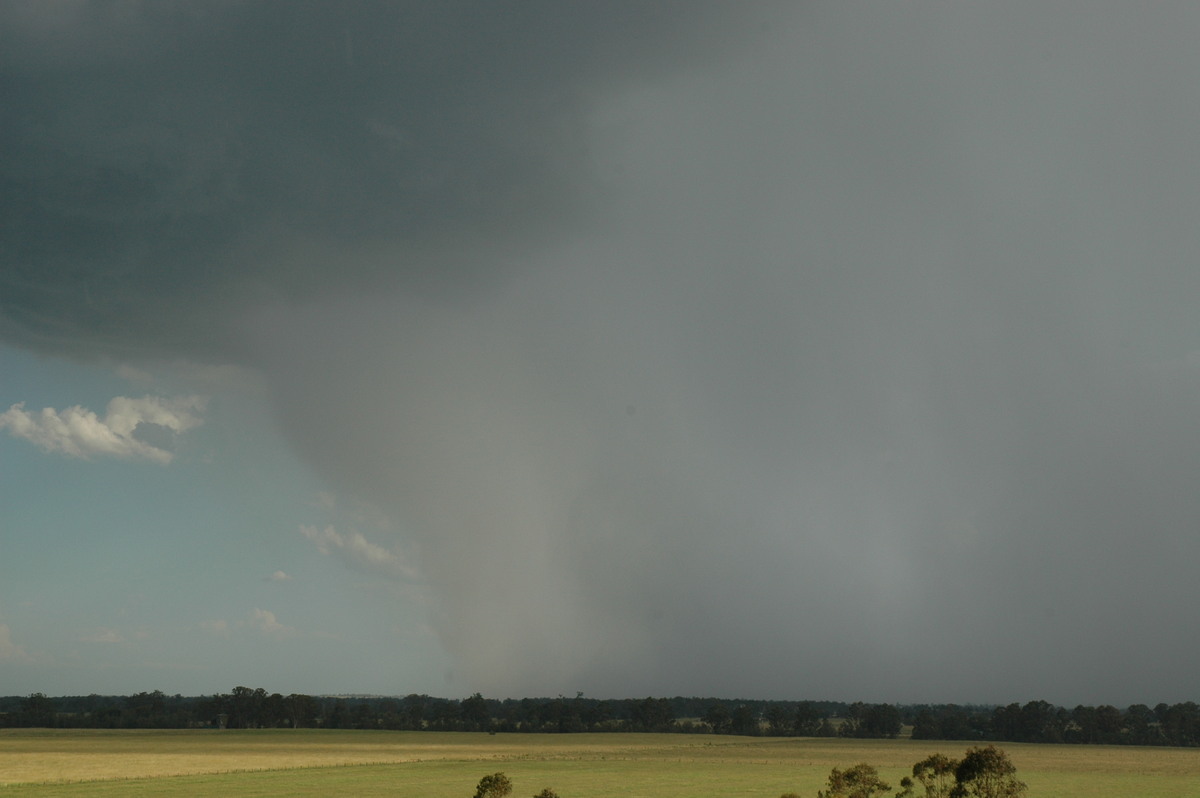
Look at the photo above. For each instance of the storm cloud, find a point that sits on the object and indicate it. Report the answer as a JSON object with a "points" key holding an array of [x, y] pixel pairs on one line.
{"points": [[808, 350], [167, 167]]}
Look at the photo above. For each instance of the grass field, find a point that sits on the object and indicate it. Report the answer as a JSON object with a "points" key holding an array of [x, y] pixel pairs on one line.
{"points": [[433, 765]]}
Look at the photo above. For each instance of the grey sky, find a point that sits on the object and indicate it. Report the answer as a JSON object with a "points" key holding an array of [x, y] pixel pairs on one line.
{"points": [[808, 350]]}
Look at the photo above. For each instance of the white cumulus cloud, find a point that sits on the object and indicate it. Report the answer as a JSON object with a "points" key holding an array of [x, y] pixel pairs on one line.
{"points": [[265, 621], [357, 551], [130, 428]]}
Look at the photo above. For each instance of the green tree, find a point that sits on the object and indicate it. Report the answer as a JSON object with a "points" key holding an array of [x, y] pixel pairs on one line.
{"points": [[37, 710], [986, 773], [881, 720], [496, 785], [779, 722], [143, 710], [743, 721], [1140, 725], [852, 720], [361, 716], [807, 719], [925, 726], [339, 715], [413, 713], [860, 781], [245, 707], [447, 716], [718, 719], [275, 711], [935, 773], [652, 714], [475, 713], [1042, 722], [1109, 723], [871, 720], [546, 793], [300, 709]]}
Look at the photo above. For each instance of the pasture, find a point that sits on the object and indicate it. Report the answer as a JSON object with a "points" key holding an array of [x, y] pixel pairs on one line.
{"points": [[448, 765]]}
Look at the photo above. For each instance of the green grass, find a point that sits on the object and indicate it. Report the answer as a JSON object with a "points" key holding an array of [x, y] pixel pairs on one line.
{"points": [[432, 765]]}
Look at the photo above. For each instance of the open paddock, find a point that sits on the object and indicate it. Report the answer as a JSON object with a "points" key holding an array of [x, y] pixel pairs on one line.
{"points": [[448, 765]]}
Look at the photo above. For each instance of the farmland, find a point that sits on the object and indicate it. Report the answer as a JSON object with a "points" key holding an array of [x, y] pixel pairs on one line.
{"points": [[38, 762]]}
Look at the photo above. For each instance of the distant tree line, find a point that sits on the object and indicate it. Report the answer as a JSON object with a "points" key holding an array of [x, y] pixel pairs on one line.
{"points": [[1041, 722], [246, 708]]}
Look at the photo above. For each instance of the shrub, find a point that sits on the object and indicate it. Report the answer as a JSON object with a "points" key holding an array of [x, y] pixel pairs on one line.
{"points": [[986, 773], [496, 785], [935, 773], [860, 781]]}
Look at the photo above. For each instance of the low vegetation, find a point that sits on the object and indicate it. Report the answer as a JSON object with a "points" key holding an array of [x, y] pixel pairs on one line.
{"points": [[981, 773], [313, 762], [496, 785]]}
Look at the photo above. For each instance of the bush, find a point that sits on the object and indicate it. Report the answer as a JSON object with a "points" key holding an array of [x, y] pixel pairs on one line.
{"points": [[860, 781], [496, 785], [986, 773], [983, 772], [935, 773]]}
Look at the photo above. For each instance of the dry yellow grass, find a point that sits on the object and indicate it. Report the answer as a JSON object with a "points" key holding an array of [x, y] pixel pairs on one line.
{"points": [[88, 755], [91, 755]]}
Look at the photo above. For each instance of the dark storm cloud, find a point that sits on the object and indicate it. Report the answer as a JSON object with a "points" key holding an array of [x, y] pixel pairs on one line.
{"points": [[856, 358], [168, 163]]}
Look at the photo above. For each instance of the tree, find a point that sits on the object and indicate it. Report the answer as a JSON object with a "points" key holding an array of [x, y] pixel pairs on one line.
{"points": [[546, 793], [860, 781], [1179, 723], [496, 785], [743, 721], [852, 720], [413, 714], [1042, 722], [935, 773], [274, 711], [1109, 723], [339, 715], [301, 709], [361, 716], [595, 714], [475, 713], [37, 710], [779, 723], [1140, 725], [881, 720], [718, 719], [144, 710], [1006, 722], [986, 773], [926, 726], [652, 714], [246, 707], [807, 719]]}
